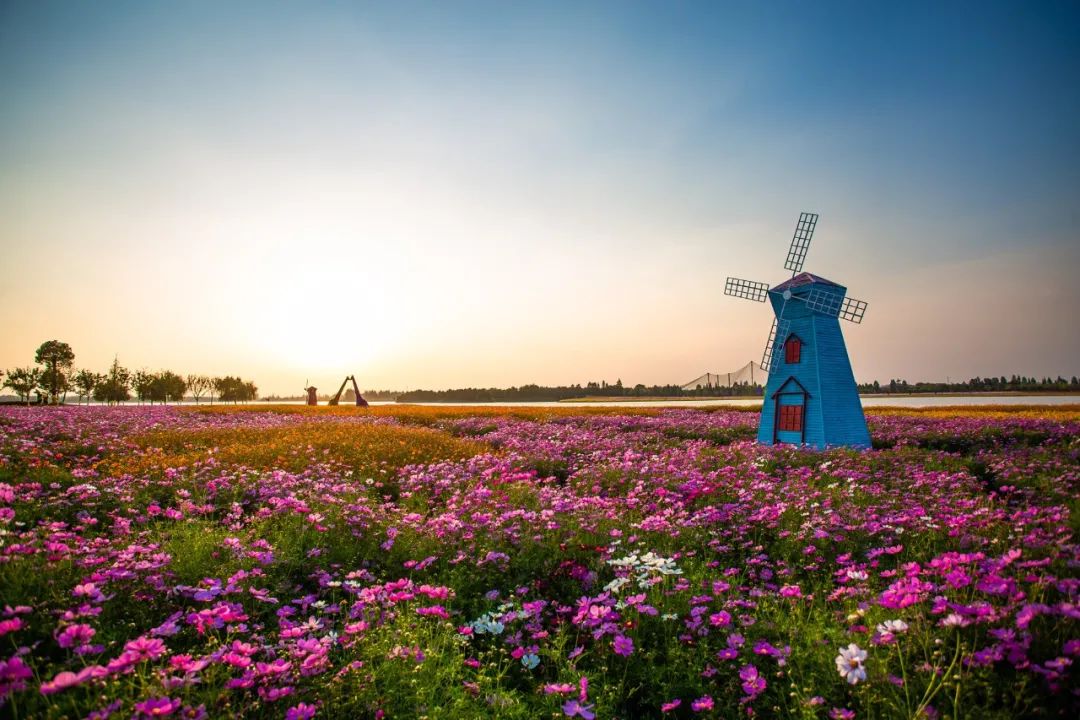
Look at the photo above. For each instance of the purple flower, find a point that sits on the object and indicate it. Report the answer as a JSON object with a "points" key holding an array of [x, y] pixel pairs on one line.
{"points": [[301, 711], [623, 646], [753, 683], [13, 675], [573, 708]]}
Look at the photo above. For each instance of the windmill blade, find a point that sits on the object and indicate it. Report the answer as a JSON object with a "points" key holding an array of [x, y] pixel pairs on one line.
{"points": [[747, 289], [800, 243], [827, 303], [777, 332], [852, 310]]}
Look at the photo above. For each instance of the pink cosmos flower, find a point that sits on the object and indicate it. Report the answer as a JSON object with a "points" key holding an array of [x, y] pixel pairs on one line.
{"points": [[157, 707], [669, 706], [791, 591], [623, 646], [13, 675], [434, 611], [144, 648], [62, 681], [702, 704], [75, 635]]}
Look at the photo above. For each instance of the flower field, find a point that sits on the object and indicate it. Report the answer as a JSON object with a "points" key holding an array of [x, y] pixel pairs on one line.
{"points": [[408, 562]]}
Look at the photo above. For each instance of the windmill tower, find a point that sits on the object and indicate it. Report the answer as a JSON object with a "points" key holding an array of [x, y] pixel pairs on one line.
{"points": [[811, 397]]}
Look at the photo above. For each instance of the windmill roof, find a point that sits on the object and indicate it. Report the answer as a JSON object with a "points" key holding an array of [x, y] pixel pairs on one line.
{"points": [[805, 279]]}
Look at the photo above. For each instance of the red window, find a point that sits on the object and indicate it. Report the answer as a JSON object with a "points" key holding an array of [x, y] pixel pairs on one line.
{"points": [[791, 418], [792, 350]]}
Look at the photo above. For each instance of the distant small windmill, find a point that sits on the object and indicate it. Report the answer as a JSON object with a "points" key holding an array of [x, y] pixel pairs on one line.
{"points": [[811, 396]]}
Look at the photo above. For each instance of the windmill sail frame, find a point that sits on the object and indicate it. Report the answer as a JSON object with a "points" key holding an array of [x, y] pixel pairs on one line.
{"points": [[800, 242], [746, 289]]}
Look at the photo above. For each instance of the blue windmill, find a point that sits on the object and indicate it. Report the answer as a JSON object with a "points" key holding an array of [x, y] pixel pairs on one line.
{"points": [[811, 397]]}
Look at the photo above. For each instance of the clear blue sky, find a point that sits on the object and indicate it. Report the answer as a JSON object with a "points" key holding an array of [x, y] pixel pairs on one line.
{"points": [[444, 194]]}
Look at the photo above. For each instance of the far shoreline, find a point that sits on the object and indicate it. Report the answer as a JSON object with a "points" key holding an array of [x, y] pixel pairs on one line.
{"points": [[728, 398]]}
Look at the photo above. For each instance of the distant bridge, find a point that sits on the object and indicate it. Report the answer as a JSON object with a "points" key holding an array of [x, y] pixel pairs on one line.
{"points": [[749, 374]]}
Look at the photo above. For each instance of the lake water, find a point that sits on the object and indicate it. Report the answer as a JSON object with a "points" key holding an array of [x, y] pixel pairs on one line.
{"points": [[869, 401], [910, 401]]}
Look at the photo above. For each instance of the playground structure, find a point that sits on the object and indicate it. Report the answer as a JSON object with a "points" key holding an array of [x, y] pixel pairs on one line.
{"points": [[749, 374], [313, 398]]}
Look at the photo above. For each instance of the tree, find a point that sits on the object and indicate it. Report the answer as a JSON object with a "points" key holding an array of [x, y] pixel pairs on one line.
{"points": [[198, 385], [235, 389], [85, 381], [23, 381], [218, 385], [142, 383], [114, 388], [166, 385], [57, 357]]}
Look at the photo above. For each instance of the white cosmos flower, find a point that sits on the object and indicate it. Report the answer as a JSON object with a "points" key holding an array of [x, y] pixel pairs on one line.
{"points": [[955, 620], [849, 663], [894, 627]]}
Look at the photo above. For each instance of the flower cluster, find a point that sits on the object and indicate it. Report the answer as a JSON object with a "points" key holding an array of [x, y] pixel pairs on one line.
{"points": [[159, 562]]}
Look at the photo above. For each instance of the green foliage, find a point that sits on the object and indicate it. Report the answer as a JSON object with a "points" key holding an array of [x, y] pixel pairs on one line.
{"points": [[85, 381], [23, 381], [115, 385], [57, 357], [198, 385], [235, 390]]}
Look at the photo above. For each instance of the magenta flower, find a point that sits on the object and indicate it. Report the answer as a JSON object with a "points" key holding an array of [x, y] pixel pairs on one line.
{"points": [[62, 681], [623, 645], [669, 706], [157, 707], [702, 704], [144, 648], [301, 711], [753, 683], [75, 635], [13, 675], [791, 591]]}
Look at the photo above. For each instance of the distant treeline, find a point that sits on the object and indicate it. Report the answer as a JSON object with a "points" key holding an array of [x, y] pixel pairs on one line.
{"points": [[55, 376], [541, 393], [1017, 383]]}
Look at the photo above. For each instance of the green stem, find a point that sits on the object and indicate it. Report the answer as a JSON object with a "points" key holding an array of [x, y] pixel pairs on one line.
{"points": [[931, 690], [903, 676]]}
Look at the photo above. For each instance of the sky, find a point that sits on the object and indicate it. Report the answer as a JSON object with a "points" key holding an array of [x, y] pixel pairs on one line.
{"points": [[433, 195]]}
